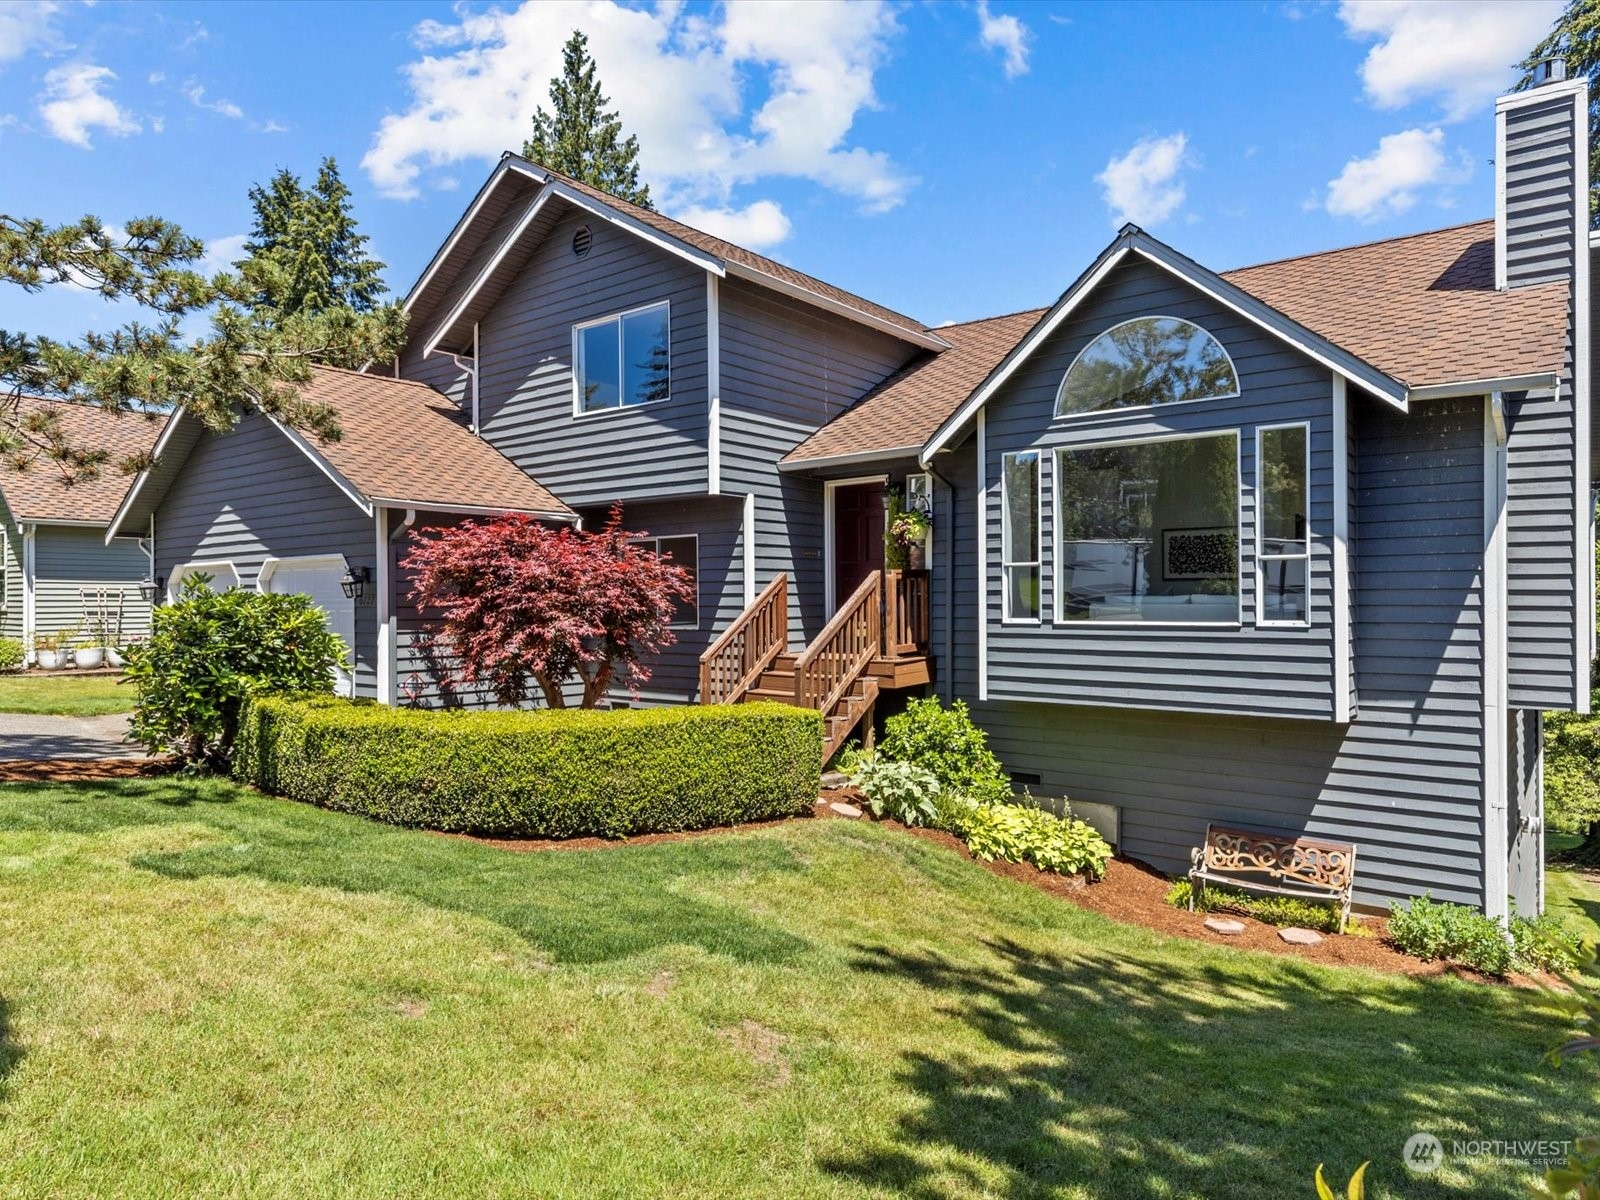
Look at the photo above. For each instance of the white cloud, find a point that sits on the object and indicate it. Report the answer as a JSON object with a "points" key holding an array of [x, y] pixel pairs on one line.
{"points": [[221, 253], [271, 126], [757, 226], [1143, 185], [1006, 34], [73, 104], [678, 81], [24, 25], [1459, 52], [1388, 180], [196, 95]]}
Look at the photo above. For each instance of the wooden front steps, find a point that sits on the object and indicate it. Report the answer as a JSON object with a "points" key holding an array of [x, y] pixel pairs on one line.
{"points": [[877, 641]]}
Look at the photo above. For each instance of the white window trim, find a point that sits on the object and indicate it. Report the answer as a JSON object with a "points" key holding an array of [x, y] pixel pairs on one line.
{"points": [[1006, 562], [654, 543], [209, 566], [1262, 558], [578, 411], [1059, 618], [1061, 388]]}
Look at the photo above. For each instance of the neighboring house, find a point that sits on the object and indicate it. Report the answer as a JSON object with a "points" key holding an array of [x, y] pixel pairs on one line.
{"points": [[1306, 545], [58, 571]]}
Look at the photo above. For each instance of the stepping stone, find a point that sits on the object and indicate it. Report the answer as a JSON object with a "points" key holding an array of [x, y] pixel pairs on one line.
{"points": [[1224, 926], [1301, 937], [840, 809]]}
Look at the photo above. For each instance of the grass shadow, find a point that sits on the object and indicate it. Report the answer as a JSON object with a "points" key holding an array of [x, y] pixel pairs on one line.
{"points": [[572, 906], [1178, 1077], [11, 1052]]}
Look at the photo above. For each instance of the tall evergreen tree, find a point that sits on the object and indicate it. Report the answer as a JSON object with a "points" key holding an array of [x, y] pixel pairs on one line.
{"points": [[1575, 36], [305, 253], [583, 137]]}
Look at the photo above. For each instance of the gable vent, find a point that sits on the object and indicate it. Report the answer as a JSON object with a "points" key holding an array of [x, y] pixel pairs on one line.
{"points": [[581, 241]]}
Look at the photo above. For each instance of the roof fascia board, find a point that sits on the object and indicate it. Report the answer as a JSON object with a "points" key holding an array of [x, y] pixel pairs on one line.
{"points": [[178, 416], [489, 268], [1086, 283], [917, 337], [1544, 91], [461, 227], [322, 464], [845, 460], [64, 522], [597, 208], [1482, 387], [1314, 346], [475, 509]]}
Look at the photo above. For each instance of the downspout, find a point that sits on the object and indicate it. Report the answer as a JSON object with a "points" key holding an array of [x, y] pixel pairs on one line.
{"points": [[948, 675], [30, 618], [472, 374]]}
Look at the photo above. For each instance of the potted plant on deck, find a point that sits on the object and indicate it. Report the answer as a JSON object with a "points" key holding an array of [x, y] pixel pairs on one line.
{"points": [[909, 528]]}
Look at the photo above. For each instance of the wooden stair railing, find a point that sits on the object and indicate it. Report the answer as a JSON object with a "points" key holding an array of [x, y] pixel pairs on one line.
{"points": [[906, 612], [828, 675], [734, 662]]}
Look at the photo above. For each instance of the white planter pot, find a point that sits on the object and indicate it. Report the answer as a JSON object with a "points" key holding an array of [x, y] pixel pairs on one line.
{"points": [[90, 657], [113, 659], [52, 660]]}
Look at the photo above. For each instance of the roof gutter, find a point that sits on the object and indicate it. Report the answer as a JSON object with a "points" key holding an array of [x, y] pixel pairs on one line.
{"points": [[1484, 387], [476, 510]]}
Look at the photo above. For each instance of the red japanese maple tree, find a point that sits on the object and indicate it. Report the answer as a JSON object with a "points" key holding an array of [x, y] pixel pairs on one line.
{"points": [[516, 603]]}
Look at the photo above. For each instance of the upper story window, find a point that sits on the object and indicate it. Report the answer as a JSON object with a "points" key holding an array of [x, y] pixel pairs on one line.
{"points": [[1149, 360], [623, 360], [1148, 531]]}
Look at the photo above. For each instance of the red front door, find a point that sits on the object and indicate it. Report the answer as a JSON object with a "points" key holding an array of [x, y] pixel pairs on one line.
{"points": [[857, 537]]}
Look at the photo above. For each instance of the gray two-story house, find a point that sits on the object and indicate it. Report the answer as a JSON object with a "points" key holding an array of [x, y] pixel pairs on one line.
{"points": [[1306, 545]]}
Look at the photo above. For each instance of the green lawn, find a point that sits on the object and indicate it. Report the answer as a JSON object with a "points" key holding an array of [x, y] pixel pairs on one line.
{"points": [[64, 695], [1573, 896], [207, 992]]}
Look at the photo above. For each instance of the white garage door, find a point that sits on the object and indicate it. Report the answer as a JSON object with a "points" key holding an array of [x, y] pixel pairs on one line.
{"points": [[319, 578]]}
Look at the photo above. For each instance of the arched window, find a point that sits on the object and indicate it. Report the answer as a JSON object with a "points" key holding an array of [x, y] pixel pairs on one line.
{"points": [[1148, 360]]}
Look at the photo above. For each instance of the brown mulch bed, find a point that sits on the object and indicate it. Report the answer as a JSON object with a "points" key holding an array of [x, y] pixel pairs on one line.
{"points": [[82, 770], [1135, 893]]}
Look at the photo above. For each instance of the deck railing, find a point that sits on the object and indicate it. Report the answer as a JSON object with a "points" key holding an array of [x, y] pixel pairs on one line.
{"points": [[843, 650], [906, 612], [732, 664]]}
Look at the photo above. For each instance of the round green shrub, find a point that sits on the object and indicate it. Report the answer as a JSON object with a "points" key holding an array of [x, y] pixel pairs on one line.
{"points": [[946, 742], [12, 654]]}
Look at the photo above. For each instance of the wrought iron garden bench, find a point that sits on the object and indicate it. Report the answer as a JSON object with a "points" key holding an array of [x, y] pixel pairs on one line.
{"points": [[1284, 865]]}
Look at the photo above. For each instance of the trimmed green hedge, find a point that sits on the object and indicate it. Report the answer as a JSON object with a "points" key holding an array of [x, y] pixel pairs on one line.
{"points": [[545, 773]]}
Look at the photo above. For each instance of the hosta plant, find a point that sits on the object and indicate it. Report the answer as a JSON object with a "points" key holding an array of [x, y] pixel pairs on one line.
{"points": [[1023, 833], [902, 791]]}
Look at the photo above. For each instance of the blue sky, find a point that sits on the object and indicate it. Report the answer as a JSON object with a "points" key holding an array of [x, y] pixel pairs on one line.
{"points": [[952, 160]]}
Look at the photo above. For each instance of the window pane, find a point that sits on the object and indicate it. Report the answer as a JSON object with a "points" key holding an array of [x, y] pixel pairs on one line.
{"points": [[645, 356], [1150, 360], [684, 552], [1148, 531], [1020, 492], [1022, 593], [1283, 490], [598, 378]]}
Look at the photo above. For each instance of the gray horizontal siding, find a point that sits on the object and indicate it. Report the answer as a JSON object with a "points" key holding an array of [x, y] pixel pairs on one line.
{"points": [[78, 578], [249, 495], [10, 574], [1541, 191], [1262, 671], [788, 369], [1404, 780], [526, 372]]}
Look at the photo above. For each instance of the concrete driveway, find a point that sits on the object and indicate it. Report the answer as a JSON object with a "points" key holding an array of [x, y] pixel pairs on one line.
{"points": [[36, 739]]}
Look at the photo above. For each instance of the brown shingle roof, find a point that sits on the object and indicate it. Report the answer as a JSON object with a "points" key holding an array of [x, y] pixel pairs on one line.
{"points": [[40, 492], [729, 252], [403, 441], [1422, 309], [906, 409]]}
